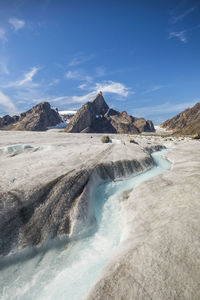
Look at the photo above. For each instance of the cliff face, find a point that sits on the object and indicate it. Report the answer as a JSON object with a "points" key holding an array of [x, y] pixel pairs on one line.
{"points": [[39, 118], [186, 122], [96, 117]]}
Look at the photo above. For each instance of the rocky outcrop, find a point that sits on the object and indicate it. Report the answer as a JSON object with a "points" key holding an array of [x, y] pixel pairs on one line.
{"points": [[96, 117], [83, 119], [39, 118], [143, 125], [186, 122], [8, 120]]}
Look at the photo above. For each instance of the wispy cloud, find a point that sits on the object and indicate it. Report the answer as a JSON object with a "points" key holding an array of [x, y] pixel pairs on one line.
{"points": [[165, 108], [175, 19], [53, 82], [80, 59], [153, 89], [180, 35], [50, 99], [26, 91], [16, 23], [8, 105], [28, 77], [3, 37], [77, 75], [83, 86], [83, 98], [4, 67], [25, 83], [20, 91]]}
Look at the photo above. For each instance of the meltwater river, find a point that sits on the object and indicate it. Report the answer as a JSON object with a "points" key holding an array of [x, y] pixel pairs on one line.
{"points": [[70, 270]]}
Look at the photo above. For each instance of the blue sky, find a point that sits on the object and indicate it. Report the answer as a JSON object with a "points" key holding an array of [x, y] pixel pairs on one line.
{"points": [[143, 55]]}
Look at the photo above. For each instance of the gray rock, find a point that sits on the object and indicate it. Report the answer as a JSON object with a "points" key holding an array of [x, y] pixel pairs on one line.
{"points": [[96, 117], [39, 118], [186, 122]]}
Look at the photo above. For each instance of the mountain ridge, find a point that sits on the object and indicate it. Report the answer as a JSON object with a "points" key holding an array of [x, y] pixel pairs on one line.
{"points": [[97, 117], [186, 122], [38, 118]]}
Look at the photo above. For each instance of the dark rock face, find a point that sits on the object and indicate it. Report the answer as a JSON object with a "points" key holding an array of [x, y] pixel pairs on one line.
{"points": [[7, 120], [144, 125], [39, 118], [186, 122], [122, 122], [96, 117], [83, 119], [99, 104]]}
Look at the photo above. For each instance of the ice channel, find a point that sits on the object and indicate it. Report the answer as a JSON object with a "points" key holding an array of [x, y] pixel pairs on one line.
{"points": [[69, 271]]}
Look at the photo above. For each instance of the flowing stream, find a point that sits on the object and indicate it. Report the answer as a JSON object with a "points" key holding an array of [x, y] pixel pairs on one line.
{"points": [[70, 270]]}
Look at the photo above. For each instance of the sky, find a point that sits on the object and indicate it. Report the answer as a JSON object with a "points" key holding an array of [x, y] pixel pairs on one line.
{"points": [[144, 55]]}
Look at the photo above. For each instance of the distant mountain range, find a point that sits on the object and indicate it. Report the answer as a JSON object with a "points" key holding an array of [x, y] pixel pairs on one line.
{"points": [[186, 122], [39, 118], [97, 117], [92, 117]]}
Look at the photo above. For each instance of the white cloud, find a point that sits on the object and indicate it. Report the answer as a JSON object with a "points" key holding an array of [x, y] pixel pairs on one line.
{"points": [[106, 87], [112, 87], [57, 99], [83, 86], [28, 77], [181, 35], [176, 19], [84, 98], [3, 37], [77, 75], [16, 23], [79, 59], [7, 104], [37, 98], [153, 89]]}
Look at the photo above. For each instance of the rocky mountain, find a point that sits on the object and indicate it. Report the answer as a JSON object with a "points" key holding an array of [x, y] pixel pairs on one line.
{"points": [[97, 117], [39, 118], [186, 122]]}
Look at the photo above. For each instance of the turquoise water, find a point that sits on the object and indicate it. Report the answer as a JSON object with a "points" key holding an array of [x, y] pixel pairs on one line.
{"points": [[69, 271]]}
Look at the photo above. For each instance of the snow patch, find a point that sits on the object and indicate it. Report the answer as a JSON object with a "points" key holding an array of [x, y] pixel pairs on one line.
{"points": [[67, 112], [16, 149], [61, 125], [116, 141]]}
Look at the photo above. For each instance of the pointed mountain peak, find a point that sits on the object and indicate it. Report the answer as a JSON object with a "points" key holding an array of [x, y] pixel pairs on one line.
{"points": [[101, 107], [98, 97]]}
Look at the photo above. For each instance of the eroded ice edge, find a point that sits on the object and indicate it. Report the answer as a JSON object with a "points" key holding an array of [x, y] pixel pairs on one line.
{"points": [[69, 271]]}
